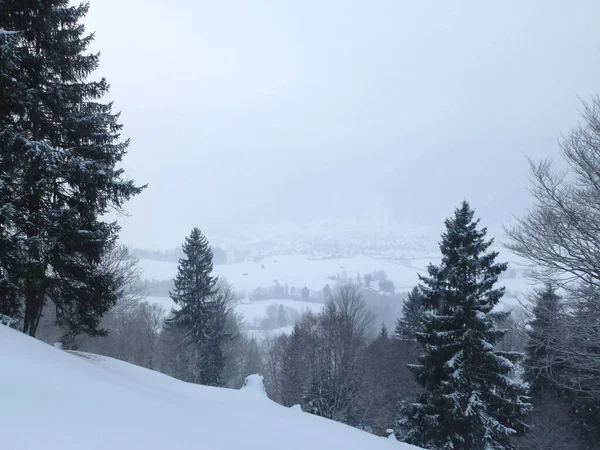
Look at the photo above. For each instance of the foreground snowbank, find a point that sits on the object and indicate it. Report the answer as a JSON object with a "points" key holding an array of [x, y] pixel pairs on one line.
{"points": [[54, 400]]}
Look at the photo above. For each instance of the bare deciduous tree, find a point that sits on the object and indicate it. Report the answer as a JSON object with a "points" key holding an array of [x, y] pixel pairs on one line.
{"points": [[561, 233], [560, 237]]}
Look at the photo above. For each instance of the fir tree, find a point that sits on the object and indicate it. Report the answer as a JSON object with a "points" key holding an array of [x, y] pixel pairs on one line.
{"points": [[410, 322], [67, 175], [305, 293], [281, 317], [471, 400], [542, 361], [12, 146], [327, 293], [579, 371], [199, 318]]}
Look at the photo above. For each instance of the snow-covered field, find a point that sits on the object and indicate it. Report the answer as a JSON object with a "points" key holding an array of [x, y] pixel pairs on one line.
{"points": [[54, 400], [297, 271]]}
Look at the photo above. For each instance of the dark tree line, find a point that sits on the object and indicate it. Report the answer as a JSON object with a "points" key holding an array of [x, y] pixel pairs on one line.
{"points": [[332, 365]]}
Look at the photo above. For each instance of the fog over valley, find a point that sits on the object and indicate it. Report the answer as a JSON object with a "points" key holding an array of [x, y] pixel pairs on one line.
{"points": [[253, 114]]}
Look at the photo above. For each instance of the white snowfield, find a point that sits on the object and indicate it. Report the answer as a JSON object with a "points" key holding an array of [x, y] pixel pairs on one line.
{"points": [[54, 400], [297, 271]]}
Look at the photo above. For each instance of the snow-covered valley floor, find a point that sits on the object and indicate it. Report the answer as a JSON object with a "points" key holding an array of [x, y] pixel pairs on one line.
{"points": [[54, 400], [300, 270]]}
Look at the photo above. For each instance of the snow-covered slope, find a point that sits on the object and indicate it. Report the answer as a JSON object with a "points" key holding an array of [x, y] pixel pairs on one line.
{"points": [[54, 400]]}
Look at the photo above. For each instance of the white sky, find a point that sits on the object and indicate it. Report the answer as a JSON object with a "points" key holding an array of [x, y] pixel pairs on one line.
{"points": [[263, 111]]}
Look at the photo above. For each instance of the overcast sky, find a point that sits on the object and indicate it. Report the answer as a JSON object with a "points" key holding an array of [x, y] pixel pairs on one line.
{"points": [[248, 111]]}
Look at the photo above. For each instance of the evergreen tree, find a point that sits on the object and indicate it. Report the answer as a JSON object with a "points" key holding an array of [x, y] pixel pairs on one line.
{"points": [[471, 399], [579, 372], [200, 319], [281, 317], [542, 360], [410, 322], [327, 293], [305, 294], [219, 331], [12, 146], [67, 178], [298, 362], [546, 366]]}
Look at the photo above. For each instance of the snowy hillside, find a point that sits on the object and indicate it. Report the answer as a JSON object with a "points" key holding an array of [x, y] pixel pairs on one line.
{"points": [[55, 400]]}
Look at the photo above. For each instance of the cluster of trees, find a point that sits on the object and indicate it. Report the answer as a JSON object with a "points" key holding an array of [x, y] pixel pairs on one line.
{"points": [[385, 306], [279, 291], [276, 316], [59, 171], [332, 366], [559, 236], [198, 341], [484, 378], [450, 375], [377, 279]]}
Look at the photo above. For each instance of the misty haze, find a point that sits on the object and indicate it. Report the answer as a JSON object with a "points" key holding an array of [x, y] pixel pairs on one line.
{"points": [[300, 225]]}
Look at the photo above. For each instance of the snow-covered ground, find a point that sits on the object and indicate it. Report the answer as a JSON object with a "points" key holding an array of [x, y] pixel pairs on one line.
{"points": [[297, 271], [54, 400]]}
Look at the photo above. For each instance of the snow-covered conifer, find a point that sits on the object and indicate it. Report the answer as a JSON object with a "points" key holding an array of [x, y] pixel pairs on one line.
{"points": [[64, 168], [472, 399], [200, 323], [412, 311]]}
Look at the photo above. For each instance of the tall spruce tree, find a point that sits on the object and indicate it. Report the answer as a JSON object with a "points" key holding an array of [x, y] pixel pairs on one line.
{"points": [[412, 311], [198, 319], [64, 171], [472, 399]]}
